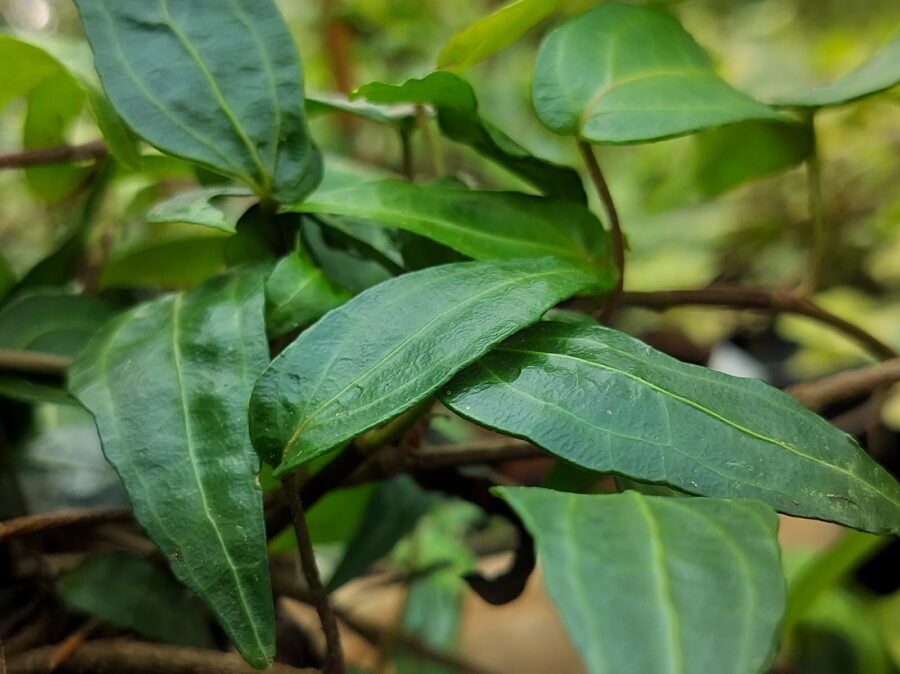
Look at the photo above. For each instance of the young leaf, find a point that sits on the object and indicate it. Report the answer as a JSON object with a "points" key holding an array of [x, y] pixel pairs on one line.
{"points": [[457, 112], [629, 74], [608, 402], [494, 32], [298, 293], [479, 224], [400, 117], [343, 376], [208, 206], [216, 83], [879, 73], [659, 585], [134, 594], [168, 385]]}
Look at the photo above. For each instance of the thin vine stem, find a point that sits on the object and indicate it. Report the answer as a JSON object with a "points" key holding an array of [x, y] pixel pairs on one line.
{"points": [[618, 238], [334, 654]]}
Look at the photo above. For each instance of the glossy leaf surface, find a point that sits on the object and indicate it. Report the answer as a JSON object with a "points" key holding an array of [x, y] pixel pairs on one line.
{"points": [[879, 73], [608, 402], [479, 224], [629, 74], [133, 593], [208, 206], [298, 293], [457, 113], [391, 347], [168, 385], [660, 585], [217, 83]]}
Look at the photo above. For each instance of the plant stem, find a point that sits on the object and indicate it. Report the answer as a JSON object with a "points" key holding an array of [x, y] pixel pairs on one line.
{"points": [[64, 154], [8, 466], [618, 239], [821, 245], [32, 362], [409, 165], [761, 299], [431, 143], [32, 524], [334, 657], [817, 394]]}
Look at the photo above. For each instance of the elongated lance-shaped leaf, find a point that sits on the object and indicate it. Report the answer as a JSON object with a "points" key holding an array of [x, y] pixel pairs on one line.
{"points": [[217, 82], [168, 385], [879, 73], [133, 593], [608, 402], [479, 224], [660, 585], [454, 101], [630, 74], [393, 346]]}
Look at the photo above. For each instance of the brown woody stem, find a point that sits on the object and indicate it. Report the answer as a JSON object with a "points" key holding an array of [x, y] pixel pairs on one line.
{"points": [[32, 362], [54, 155]]}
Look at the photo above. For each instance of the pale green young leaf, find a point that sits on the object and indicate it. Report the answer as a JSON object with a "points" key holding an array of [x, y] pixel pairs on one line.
{"points": [[219, 207]]}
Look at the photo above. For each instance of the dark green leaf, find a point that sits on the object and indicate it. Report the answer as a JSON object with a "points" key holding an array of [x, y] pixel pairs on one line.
{"points": [[489, 35], [879, 73], [7, 277], [628, 74], [457, 111], [178, 262], [298, 293], [119, 138], [391, 347], [168, 385], [53, 106], [478, 224], [216, 207], [731, 155], [660, 585], [134, 594], [608, 402], [392, 512], [217, 83], [342, 263]]}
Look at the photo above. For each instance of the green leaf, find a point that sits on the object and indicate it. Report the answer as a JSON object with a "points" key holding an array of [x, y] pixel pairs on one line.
{"points": [[298, 293], [488, 35], [47, 320], [479, 224], [392, 346], [879, 73], [216, 83], [168, 385], [659, 585], [24, 67], [608, 402], [210, 207], [630, 74], [119, 138], [391, 513], [7, 277], [400, 117], [457, 112], [178, 262], [731, 155], [53, 107], [134, 594]]}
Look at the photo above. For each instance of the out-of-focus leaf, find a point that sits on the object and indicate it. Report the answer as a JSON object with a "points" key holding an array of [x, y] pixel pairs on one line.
{"points": [[53, 105], [134, 594], [298, 293], [731, 155], [7, 277], [392, 512], [175, 263], [610, 403], [216, 207], [401, 117], [879, 73], [343, 264], [457, 112], [121, 141], [658, 585], [341, 377], [168, 384], [225, 91], [492, 33], [630, 74], [479, 224], [24, 67]]}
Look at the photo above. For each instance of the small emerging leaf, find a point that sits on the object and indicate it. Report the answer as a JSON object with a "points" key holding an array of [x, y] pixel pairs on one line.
{"points": [[207, 206], [392, 346], [609, 403], [659, 585], [629, 74]]}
